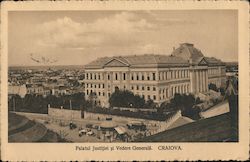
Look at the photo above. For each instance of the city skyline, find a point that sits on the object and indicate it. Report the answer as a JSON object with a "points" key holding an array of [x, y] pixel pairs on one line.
{"points": [[79, 37]]}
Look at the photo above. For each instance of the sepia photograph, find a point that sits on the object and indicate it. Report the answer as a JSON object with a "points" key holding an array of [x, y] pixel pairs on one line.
{"points": [[123, 76], [121, 79]]}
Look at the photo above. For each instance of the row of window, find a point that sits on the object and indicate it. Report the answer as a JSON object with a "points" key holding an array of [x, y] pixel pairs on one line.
{"points": [[175, 74], [88, 92], [143, 88], [133, 87], [213, 71], [95, 85]]}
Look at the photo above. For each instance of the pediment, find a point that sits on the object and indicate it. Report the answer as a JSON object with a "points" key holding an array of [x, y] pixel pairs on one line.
{"points": [[116, 63], [203, 62]]}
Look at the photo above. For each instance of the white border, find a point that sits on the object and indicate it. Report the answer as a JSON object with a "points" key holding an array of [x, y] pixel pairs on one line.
{"points": [[191, 151]]}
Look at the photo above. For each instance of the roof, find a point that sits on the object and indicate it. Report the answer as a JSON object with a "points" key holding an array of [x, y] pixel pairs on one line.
{"points": [[120, 130], [213, 61], [187, 51], [147, 60], [180, 57]]}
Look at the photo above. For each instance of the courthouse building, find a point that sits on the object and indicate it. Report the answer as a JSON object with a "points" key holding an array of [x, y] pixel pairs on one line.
{"points": [[156, 77]]}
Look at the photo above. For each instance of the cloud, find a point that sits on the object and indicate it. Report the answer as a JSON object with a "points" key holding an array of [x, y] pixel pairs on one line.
{"points": [[169, 20], [119, 29]]}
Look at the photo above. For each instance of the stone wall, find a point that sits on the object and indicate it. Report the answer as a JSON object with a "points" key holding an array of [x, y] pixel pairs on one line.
{"points": [[162, 125], [64, 113]]}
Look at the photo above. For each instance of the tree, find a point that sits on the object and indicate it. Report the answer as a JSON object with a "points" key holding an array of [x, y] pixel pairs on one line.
{"points": [[92, 99], [185, 103], [126, 99], [150, 104], [15, 103]]}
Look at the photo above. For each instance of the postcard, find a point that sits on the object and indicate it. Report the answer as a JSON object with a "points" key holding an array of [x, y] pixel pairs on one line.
{"points": [[124, 80]]}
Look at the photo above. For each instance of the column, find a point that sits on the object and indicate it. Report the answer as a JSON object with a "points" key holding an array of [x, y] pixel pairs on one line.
{"points": [[192, 81], [200, 78], [197, 81], [204, 81], [201, 82]]}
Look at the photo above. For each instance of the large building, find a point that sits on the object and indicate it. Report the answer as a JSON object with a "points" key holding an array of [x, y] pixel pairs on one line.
{"points": [[156, 77]]}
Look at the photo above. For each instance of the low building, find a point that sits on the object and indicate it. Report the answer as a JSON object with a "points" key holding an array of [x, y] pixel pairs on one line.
{"points": [[20, 90]]}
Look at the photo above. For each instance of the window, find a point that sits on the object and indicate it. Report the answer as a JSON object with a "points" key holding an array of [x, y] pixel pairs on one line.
{"points": [[143, 96], [90, 76], [95, 76], [103, 86], [103, 93], [153, 76], [116, 76], [124, 76], [137, 87], [99, 93], [142, 88], [132, 87], [142, 77], [148, 77], [148, 88], [99, 77], [132, 77], [87, 76], [99, 85], [95, 86], [87, 92], [87, 85], [108, 77], [137, 77], [154, 89], [149, 97], [90, 85], [109, 94]]}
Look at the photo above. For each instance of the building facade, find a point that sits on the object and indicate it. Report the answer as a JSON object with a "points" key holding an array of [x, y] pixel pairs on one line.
{"points": [[156, 77]]}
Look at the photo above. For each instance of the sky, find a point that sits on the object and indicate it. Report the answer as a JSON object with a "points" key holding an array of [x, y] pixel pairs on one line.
{"points": [[78, 37]]}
